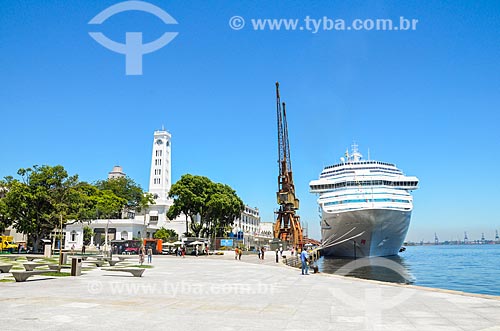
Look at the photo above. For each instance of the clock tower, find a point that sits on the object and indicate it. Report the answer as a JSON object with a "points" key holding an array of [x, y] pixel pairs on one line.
{"points": [[160, 179]]}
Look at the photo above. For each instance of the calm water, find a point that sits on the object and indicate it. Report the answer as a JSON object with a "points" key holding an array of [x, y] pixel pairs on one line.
{"points": [[468, 268]]}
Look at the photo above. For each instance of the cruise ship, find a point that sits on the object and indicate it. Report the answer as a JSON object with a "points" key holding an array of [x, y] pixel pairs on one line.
{"points": [[365, 206]]}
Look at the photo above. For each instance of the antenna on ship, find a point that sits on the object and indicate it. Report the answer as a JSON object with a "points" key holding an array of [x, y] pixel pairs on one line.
{"points": [[356, 155], [436, 239], [466, 239]]}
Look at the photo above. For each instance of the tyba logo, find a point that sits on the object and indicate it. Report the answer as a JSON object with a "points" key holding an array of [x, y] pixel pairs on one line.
{"points": [[133, 48]]}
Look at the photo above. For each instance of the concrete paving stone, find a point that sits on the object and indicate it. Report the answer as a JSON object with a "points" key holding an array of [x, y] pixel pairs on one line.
{"points": [[218, 293]]}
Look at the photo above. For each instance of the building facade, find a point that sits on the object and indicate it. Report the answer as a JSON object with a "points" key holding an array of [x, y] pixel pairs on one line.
{"points": [[247, 226], [117, 172], [144, 224]]}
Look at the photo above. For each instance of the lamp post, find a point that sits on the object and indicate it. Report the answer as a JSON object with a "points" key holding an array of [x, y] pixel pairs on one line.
{"points": [[106, 237]]}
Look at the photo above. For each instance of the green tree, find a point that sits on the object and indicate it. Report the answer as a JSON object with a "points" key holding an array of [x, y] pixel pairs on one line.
{"points": [[87, 235], [85, 201], [189, 194], [217, 204], [165, 234], [134, 198], [108, 204], [222, 208], [40, 200], [5, 220]]}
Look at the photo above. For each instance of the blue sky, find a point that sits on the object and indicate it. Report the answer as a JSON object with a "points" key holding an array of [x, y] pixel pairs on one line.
{"points": [[426, 100]]}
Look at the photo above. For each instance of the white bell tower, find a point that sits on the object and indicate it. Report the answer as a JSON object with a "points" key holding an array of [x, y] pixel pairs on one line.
{"points": [[160, 179]]}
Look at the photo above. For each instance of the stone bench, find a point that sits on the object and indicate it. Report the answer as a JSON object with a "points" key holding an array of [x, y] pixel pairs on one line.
{"points": [[31, 258], [21, 276], [5, 267], [58, 267], [123, 258], [98, 263], [113, 262], [137, 272], [30, 266], [10, 257]]}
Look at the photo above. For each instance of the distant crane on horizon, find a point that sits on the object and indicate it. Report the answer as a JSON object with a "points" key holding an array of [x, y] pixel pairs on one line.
{"points": [[466, 239], [436, 239]]}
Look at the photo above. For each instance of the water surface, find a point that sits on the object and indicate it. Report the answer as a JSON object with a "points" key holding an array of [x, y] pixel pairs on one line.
{"points": [[468, 268]]}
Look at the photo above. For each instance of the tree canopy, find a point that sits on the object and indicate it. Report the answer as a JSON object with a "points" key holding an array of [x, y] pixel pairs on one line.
{"points": [[43, 197], [132, 195], [217, 205], [165, 234]]}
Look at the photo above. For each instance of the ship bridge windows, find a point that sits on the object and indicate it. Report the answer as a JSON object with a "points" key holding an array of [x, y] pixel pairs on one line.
{"points": [[351, 169], [364, 200], [367, 193], [402, 184], [360, 163]]}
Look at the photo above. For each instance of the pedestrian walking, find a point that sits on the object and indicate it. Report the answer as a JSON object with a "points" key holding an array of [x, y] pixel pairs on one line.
{"points": [[236, 253], [262, 253], [281, 251], [83, 249], [303, 258], [258, 251], [150, 255], [240, 252], [141, 255], [277, 252]]}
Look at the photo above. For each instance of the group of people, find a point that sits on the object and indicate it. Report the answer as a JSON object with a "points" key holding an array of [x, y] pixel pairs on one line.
{"points": [[143, 252]]}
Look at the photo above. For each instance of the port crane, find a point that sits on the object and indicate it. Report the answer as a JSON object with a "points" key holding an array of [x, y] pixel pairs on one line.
{"points": [[287, 226]]}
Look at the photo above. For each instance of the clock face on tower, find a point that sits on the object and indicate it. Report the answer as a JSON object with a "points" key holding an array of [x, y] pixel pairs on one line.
{"points": [[159, 142]]}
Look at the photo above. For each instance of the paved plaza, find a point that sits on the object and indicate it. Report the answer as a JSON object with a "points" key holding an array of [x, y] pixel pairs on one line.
{"points": [[219, 293]]}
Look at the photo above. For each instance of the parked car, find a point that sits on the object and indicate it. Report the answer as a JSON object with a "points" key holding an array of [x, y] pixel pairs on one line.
{"points": [[132, 250]]}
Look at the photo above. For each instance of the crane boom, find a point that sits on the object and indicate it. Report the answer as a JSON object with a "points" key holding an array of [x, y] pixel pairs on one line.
{"points": [[287, 226]]}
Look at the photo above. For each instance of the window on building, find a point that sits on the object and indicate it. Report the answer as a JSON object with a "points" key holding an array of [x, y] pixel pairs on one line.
{"points": [[73, 235], [153, 218]]}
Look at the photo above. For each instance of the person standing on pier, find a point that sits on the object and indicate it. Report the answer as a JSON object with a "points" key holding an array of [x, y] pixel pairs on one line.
{"points": [[150, 255], [303, 258]]}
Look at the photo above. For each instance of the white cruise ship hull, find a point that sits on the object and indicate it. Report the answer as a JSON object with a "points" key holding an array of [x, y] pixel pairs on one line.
{"points": [[384, 232]]}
